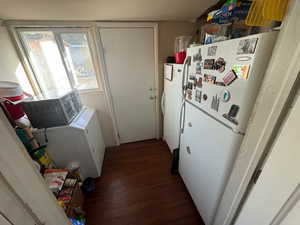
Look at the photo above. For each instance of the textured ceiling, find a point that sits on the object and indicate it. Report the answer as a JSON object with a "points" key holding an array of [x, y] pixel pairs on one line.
{"points": [[103, 9]]}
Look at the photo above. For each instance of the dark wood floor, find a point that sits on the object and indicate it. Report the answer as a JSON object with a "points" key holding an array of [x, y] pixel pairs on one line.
{"points": [[136, 188]]}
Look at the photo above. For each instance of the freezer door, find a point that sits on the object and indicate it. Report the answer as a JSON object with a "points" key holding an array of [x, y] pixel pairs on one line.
{"points": [[229, 96], [207, 153], [95, 141], [172, 105], [79, 142]]}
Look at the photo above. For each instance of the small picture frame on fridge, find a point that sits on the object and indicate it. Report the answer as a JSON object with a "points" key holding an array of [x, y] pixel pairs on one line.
{"points": [[209, 64], [212, 50], [168, 72], [247, 46]]}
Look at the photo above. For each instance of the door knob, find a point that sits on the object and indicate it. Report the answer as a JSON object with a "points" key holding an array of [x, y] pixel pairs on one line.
{"points": [[152, 97]]}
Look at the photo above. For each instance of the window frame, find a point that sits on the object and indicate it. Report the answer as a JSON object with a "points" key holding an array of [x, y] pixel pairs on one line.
{"points": [[57, 31]]}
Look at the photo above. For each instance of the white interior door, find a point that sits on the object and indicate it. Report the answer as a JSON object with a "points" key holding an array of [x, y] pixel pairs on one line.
{"points": [[130, 64], [278, 185]]}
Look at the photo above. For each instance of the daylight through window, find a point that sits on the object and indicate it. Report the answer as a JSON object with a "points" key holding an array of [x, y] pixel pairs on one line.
{"points": [[60, 59]]}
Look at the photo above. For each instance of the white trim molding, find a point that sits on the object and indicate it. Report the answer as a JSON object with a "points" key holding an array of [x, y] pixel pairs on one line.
{"points": [[293, 199]]}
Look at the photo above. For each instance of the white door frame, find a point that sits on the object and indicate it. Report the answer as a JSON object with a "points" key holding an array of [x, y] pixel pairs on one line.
{"points": [[281, 76], [106, 85], [287, 207]]}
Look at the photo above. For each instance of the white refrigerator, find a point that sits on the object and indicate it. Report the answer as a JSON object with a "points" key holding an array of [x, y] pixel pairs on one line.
{"points": [[222, 81], [171, 103]]}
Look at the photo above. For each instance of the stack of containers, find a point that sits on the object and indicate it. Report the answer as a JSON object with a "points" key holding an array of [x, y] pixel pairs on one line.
{"points": [[11, 95]]}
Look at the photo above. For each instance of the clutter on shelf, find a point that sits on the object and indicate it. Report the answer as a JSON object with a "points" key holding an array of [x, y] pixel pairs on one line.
{"points": [[229, 19], [76, 222], [11, 96], [65, 184]]}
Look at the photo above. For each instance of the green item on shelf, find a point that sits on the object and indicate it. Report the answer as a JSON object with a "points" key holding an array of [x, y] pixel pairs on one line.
{"points": [[42, 156], [25, 140]]}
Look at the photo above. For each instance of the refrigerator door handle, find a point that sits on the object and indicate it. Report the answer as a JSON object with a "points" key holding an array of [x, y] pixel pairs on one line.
{"points": [[187, 62], [162, 103], [182, 117], [181, 122]]}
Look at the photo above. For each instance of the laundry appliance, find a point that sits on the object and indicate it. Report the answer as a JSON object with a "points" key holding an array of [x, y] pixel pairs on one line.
{"points": [[79, 143]]}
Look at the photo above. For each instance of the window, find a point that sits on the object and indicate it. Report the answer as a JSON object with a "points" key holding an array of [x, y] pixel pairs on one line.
{"points": [[59, 58], [80, 60], [46, 60]]}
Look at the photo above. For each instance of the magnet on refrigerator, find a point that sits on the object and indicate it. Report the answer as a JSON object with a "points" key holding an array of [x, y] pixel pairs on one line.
{"points": [[229, 78], [198, 56], [198, 68], [199, 82], [241, 71], [209, 79], [247, 46], [198, 96], [215, 103], [209, 64], [225, 95], [211, 51], [234, 109], [219, 83], [220, 65]]}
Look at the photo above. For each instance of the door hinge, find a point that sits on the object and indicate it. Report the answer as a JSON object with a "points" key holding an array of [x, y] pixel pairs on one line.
{"points": [[256, 175]]}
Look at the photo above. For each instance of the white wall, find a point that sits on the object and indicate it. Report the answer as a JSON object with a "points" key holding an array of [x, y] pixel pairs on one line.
{"points": [[9, 61], [97, 101], [168, 31], [10, 67]]}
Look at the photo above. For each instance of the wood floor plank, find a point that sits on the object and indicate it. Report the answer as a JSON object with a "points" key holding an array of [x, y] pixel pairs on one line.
{"points": [[136, 188]]}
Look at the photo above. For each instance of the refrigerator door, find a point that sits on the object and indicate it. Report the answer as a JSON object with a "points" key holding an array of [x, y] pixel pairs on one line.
{"points": [[226, 95], [207, 153], [172, 106]]}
